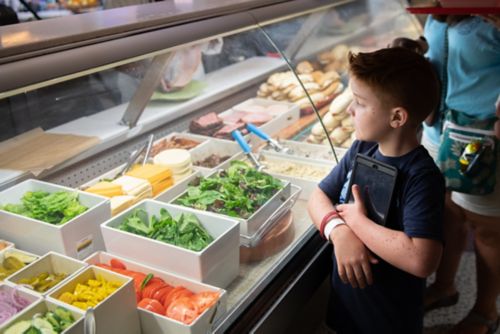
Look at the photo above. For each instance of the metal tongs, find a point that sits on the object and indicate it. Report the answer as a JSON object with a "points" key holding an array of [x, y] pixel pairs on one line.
{"points": [[272, 142], [236, 134], [146, 149]]}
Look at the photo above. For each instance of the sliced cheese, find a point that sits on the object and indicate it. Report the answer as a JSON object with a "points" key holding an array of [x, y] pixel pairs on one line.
{"points": [[134, 186], [120, 203], [173, 158], [106, 189], [159, 187], [151, 173]]}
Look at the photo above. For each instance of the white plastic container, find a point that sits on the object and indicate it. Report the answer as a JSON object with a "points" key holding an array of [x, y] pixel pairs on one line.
{"points": [[152, 323], [177, 189], [8, 289], [43, 306], [307, 184], [185, 135], [52, 263], [7, 244], [289, 114], [7, 252], [77, 238], [217, 264], [308, 151], [117, 313], [213, 146]]}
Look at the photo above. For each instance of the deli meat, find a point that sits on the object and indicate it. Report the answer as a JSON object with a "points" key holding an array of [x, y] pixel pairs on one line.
{"points": [[225, 132], [207, 124], [257, 118]]}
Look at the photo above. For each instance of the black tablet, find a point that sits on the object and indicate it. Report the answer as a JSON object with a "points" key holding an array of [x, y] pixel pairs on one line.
{"points": [[376, 181]]}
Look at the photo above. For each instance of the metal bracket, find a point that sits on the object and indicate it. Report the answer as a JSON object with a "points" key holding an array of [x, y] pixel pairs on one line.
{"points": [[145, 90]]}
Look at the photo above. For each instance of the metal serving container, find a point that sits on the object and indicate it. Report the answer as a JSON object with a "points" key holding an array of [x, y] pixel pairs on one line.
{"points": [[253, 227]]}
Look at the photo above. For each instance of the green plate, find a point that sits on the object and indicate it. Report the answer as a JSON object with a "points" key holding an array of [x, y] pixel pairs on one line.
{"points": [[194, 88]]}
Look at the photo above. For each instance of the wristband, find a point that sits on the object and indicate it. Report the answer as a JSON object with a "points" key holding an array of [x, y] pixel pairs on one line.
{"points": [[329, 216], [331, 225]]}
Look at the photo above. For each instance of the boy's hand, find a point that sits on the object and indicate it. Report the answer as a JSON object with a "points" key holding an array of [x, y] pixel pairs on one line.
{"points": [[354, 212], [353, 258]]}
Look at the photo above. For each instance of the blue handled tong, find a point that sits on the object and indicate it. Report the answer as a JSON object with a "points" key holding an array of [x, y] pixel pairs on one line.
{"points": [[236, 134], [274, 143]]}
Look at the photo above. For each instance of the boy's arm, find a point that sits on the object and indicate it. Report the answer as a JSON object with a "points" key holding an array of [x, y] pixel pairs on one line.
{"points": [[353, 258], [417, 256]]}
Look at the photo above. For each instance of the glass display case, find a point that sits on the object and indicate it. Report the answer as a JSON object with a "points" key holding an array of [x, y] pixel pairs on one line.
{"points": [[184, 72]]}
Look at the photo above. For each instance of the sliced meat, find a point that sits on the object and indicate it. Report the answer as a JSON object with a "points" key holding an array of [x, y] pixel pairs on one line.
{"points": [[233, 117], [257, 118], [225, 132], [206, 124]]}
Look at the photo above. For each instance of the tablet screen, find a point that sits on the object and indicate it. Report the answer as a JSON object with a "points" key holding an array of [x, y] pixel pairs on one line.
{"points": [[376, 181]]}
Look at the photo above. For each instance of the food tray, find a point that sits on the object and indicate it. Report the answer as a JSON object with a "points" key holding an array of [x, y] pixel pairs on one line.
{"points": [[152, 323], [41, 307], [213, 146], [77, 238], [164, 194], [117, 313], [28, 295], [51, 263], [259, 221], [6, 252], [316, 152], [280, 119], [185, 135], [217, 264], [307, 184]]}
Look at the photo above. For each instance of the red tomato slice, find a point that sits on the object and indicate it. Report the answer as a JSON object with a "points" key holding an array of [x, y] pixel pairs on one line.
{"points": [[150, 289], [183, 309], [177, 292], [115, 263], [151, 305], [156, 279], [162, 293], [205, 299]]}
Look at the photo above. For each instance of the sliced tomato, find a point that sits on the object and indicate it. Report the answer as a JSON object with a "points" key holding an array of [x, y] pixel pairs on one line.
{"points": [[151, 305], [205, 299], [177, 292], [150, 289], [156, 279], [115, 263], [162, 293], [183, 309]]}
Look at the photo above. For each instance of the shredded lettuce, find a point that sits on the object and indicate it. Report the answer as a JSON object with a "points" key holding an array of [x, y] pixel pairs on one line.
{"points": [[54, 208]]}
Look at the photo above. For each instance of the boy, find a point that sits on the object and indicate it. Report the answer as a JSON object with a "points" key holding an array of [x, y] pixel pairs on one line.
{"points": [[379, 272]]}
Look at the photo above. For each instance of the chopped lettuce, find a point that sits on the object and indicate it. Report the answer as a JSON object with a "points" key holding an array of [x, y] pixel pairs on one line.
{"points": [[237, 192], [54, 208], [184, 231]]}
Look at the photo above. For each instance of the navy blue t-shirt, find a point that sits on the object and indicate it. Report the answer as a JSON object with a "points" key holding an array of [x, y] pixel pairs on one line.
{"points": [[394, 303]]}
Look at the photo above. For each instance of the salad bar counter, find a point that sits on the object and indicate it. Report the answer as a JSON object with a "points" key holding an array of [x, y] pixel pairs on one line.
{"points": [[188, 214]]}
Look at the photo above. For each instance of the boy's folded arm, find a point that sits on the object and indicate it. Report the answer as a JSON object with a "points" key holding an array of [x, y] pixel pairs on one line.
{"points": [[417, 256], [318, 206]]}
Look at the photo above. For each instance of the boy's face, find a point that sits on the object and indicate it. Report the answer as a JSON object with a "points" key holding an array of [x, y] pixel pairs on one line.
{"points": [[371, 118]]}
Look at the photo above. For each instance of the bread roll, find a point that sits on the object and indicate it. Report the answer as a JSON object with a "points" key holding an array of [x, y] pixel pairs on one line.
{"points": [[339, 135], [341, 102], [305, 67]]}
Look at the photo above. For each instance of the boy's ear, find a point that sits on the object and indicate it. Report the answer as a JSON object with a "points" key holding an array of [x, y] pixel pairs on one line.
{"points": [[399, 117]]}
